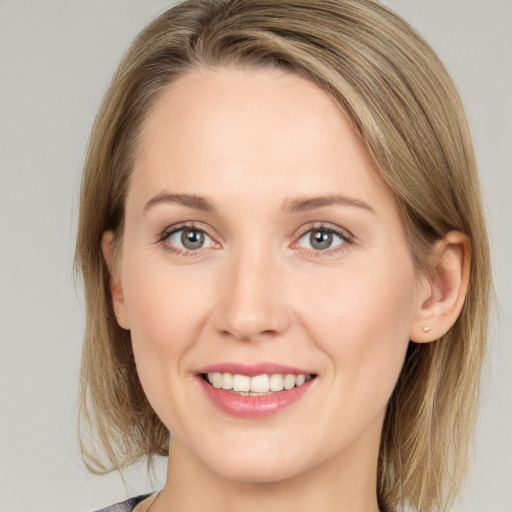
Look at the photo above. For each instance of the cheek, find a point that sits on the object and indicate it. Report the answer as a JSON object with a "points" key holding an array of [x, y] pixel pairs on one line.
{"points": [[165, 319], [361, 320], [162, 306]]}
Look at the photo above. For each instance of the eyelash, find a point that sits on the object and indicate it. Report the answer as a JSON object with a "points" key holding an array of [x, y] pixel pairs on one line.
{"points": [[327, 228], [347, 238], [175, 229]]}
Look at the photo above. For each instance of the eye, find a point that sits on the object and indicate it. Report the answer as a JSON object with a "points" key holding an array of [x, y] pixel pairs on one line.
{"points": [[189, 239], [323, 238]]}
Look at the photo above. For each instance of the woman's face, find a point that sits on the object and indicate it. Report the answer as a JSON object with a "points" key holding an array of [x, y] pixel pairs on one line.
{"points": [[260, 242]]}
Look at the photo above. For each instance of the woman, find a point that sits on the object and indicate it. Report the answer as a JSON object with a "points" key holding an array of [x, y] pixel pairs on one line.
{"points": [[285, 262]]}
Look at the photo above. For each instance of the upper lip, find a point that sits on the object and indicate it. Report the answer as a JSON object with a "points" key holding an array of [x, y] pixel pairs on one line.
{"points": [[253, 369]]}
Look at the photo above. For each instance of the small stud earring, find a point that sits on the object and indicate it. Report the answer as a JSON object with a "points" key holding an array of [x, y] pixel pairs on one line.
{"points": [[118, 315], [426, 328]]}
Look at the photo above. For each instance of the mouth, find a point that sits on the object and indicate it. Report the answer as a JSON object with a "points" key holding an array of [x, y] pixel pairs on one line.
{"points": [[257, 385], [256, 391]]}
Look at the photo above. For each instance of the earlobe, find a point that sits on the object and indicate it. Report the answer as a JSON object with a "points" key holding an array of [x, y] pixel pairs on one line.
{"points": [[443, 292], [116, 289]]}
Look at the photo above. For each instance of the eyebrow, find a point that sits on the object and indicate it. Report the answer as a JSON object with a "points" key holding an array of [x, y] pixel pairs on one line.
{"points": [[188, 200], [293, 206], [312, 203]]}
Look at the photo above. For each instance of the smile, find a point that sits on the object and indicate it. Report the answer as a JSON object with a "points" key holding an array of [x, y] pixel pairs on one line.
{"points": [[257, 385], [254, 391]]}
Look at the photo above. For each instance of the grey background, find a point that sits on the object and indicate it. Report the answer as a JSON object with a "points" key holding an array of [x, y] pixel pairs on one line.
{"points": [[56, 58]]}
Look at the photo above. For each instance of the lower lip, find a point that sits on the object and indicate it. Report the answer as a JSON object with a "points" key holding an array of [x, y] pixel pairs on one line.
{"points": [[254, 406]]}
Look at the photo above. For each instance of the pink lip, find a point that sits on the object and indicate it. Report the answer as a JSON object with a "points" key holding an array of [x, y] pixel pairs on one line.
{"points": [[253, 369], [253, 406]]}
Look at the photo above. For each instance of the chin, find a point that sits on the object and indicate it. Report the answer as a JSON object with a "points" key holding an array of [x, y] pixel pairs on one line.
{"points": [[263, 472], [256, 462]]}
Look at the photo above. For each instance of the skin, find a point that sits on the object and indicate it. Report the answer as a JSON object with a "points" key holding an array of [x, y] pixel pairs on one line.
{"points": [[251, 142]]}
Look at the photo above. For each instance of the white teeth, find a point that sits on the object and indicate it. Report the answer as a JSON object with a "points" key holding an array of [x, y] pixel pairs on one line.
{"points": [[216, 379], [241, 383], [227, 381], [289, 381], [276, 382], [258, 384]]}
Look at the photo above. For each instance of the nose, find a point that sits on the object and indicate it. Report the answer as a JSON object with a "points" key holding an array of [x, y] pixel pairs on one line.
{"points": [[251, 303]]}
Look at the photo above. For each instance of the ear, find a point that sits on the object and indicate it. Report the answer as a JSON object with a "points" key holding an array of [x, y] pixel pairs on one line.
{"points": [[116, 288], [442, 293]]}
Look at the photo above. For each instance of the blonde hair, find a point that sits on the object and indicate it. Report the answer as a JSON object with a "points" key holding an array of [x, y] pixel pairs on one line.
{"points": [[408, 114]]}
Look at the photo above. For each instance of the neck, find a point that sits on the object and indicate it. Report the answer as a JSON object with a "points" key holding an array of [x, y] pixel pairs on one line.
{"points": [[345, 483]]}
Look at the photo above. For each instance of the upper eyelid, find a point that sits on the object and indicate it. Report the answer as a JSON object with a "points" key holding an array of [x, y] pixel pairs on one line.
{"points": [[181, 226], [326, 227]]}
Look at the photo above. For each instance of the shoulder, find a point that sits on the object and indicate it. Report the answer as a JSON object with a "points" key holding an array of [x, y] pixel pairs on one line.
{"points": [[125, 506]]}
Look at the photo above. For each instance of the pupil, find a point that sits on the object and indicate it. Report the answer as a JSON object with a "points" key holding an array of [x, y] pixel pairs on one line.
{"points": [[320, 239], [192, 239]]}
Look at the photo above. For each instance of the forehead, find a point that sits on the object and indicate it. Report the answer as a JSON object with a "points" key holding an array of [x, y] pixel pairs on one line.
{"points": [[253, 131]]}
